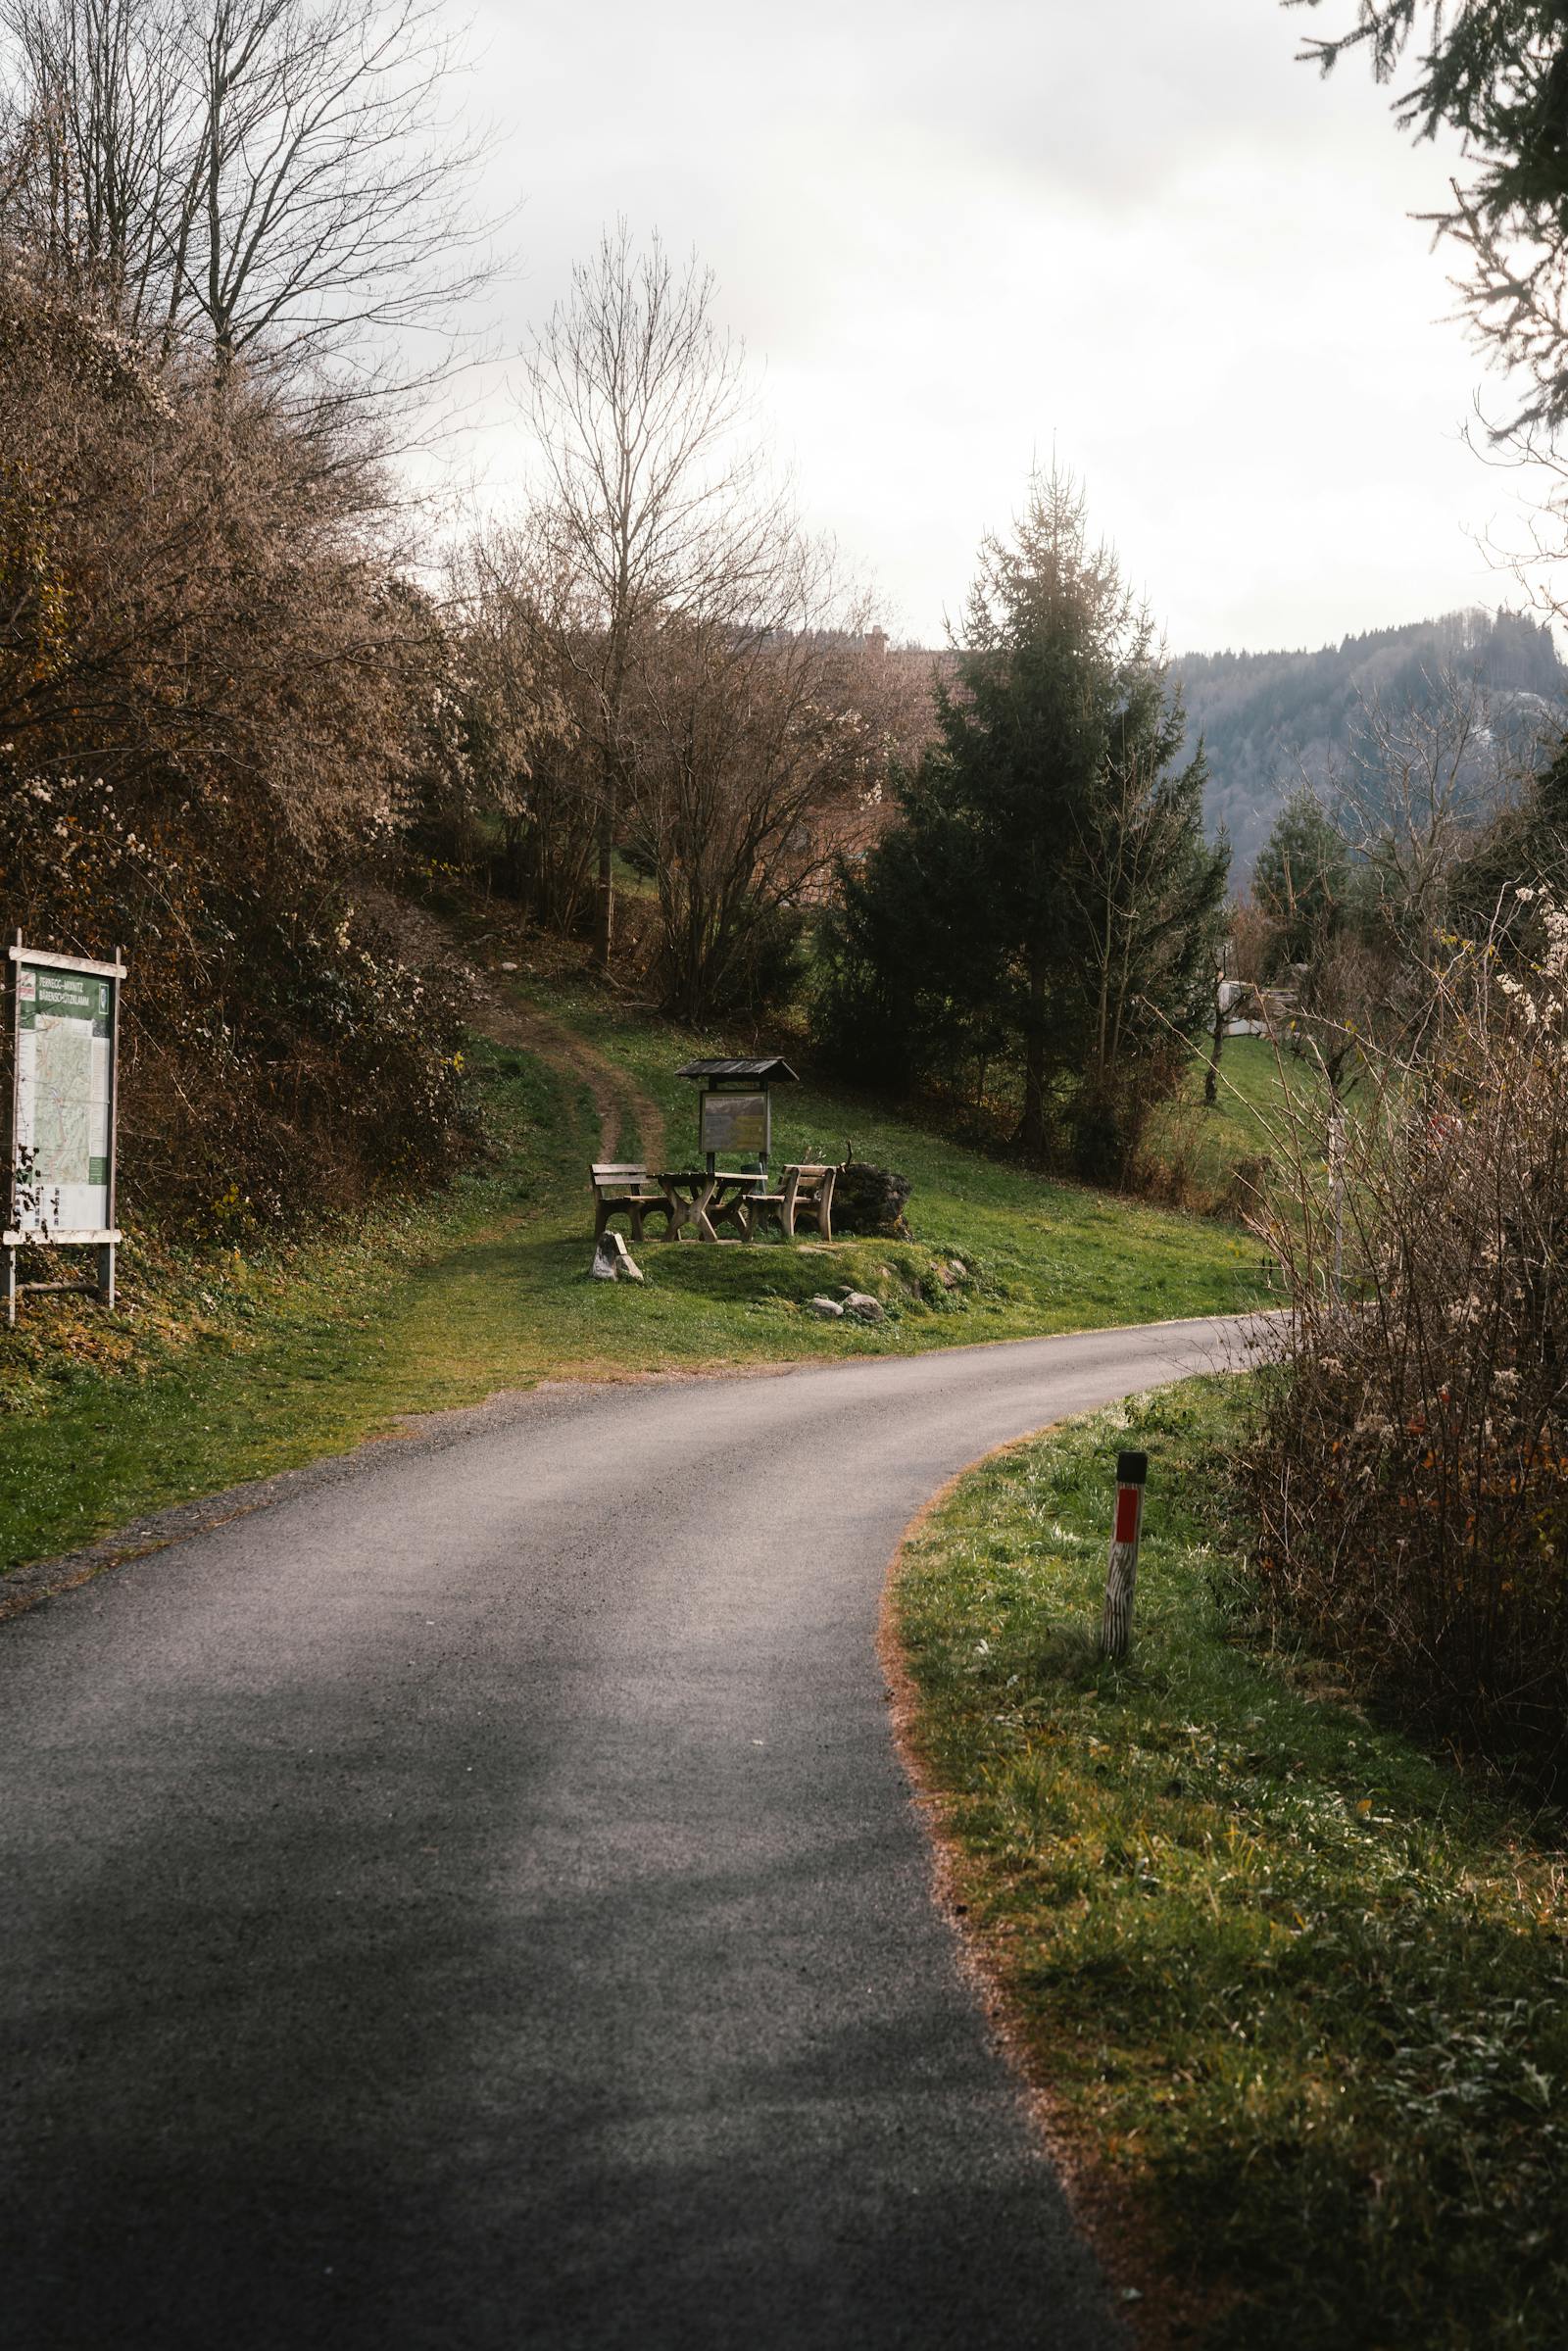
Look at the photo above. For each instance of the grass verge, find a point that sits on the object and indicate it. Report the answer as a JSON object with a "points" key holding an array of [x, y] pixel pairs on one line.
{"points": [[1215, 1156], [218, 1369], [1295, 1988]]}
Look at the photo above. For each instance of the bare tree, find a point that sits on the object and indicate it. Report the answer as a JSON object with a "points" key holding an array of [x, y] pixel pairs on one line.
{"points": [[1422, 779], [655, 507], [1358, 893], [272, 176], [98, 128], [759, 750], [518, 756]]}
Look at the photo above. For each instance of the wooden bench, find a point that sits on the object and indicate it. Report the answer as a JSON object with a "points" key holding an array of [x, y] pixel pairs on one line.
{"points": [[625, 1188], [805, 1188]]}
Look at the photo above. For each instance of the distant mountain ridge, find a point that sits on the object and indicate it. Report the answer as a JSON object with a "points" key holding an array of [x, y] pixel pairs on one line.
{"points": [[1271, 719]]}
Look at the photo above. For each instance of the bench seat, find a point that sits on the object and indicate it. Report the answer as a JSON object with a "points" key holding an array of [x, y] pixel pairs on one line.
{"points": [[805, 1189], [624, 1188]]}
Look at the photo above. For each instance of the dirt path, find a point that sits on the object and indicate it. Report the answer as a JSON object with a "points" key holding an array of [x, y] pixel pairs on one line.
{"points": [[504, 1014]]}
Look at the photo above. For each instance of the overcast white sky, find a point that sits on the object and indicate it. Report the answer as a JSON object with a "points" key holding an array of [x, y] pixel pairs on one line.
{"points": [[1134, 229]]}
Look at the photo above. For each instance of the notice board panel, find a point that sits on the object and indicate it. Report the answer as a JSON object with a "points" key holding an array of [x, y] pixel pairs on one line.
{"points": [[62, 1102], [735, 1123]]}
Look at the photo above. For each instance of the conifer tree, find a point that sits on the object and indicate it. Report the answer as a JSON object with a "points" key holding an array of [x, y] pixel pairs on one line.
{"points": [[1045, 890], [1303, 878], [1497, 73]]}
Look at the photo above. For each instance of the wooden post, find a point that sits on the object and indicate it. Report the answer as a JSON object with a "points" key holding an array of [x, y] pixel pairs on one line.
{"points": [[1121, 1574], [1337, 1193], [8, 1184]]}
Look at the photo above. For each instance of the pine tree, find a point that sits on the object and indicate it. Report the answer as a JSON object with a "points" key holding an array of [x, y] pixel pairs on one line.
{"points": [[1045, 889], [1303, 878]]}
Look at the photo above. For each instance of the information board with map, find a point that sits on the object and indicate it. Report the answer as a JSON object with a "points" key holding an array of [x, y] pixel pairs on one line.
{"points": [[62, 1188], [735, 1122]]}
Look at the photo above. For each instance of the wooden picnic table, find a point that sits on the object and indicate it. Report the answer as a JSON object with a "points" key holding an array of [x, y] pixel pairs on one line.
{"points": [[704, 1200]]}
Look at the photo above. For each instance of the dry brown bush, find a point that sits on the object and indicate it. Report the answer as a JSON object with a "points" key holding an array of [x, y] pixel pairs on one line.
{"points": [[1411, 1483], [208, 686]]}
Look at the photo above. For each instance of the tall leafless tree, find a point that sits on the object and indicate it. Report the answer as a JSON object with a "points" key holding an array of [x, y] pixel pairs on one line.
{"points": [[1422, 779], [760, 745], [655, 506], [273, 177]]}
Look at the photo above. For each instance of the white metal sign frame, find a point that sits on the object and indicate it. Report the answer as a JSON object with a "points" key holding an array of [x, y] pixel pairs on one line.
{"points": [[37, 975]]}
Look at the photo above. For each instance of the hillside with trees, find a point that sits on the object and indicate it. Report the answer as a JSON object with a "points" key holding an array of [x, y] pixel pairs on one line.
{"points": [[248, 701], [1271, 721]]}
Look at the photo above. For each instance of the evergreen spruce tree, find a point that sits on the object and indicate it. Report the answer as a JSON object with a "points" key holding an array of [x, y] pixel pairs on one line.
{"points": [[1303, 878], [1045, 890]]}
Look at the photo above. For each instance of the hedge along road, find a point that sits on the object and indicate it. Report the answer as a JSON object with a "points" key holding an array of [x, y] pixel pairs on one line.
{"points": [[476, 1901]]}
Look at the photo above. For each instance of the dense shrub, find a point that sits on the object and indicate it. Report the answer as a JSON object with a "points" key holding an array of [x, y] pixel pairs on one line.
{"points": [[871, 1200], [1411, 1488], [210, 695]]}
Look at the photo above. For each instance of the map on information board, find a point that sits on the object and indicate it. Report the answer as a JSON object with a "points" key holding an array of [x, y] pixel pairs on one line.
{"points": [[734, 1122], [64, 1101]]}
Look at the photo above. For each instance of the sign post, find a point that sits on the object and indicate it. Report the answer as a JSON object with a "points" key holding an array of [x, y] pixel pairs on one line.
{"points": [[735, 1107], [1121, 1571], [65, 1038]]}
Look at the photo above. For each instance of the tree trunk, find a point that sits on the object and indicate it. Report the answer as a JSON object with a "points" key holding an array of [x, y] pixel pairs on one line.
{"points": [[605, 905], [1032, 1132], [1211, 1081]]}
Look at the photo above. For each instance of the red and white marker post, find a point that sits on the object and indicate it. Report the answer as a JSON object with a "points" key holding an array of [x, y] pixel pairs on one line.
{"points": [[1121, 1575]]}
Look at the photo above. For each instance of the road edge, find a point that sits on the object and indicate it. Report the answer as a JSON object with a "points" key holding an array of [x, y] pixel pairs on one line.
{"points": [[1153, 2307], [25, 1588]]}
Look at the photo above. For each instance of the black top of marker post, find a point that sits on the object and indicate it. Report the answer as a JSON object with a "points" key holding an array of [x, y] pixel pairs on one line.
{"points": [[1132, 1469]]}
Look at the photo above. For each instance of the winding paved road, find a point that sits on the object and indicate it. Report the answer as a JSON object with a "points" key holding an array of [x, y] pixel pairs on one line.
{"points": [[476, 1903]]}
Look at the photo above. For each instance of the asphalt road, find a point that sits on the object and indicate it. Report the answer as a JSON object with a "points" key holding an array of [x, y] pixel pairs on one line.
{"points": [[475, 1902]]}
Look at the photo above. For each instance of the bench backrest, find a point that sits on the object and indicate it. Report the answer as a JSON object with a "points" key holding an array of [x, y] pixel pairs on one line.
{"points": [[615, 1174]]}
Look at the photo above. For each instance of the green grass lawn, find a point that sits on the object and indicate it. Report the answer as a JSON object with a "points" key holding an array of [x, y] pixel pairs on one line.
{"points": [[1202, 1146], [1050, 1256], [1297, 1990], [228, 1370]]}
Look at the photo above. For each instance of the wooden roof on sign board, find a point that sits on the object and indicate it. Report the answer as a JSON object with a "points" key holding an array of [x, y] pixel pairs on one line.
{"points": [[770, 1072]]}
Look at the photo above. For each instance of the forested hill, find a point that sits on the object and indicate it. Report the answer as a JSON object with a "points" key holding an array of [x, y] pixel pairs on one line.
{"points": [[1270, 718]]}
